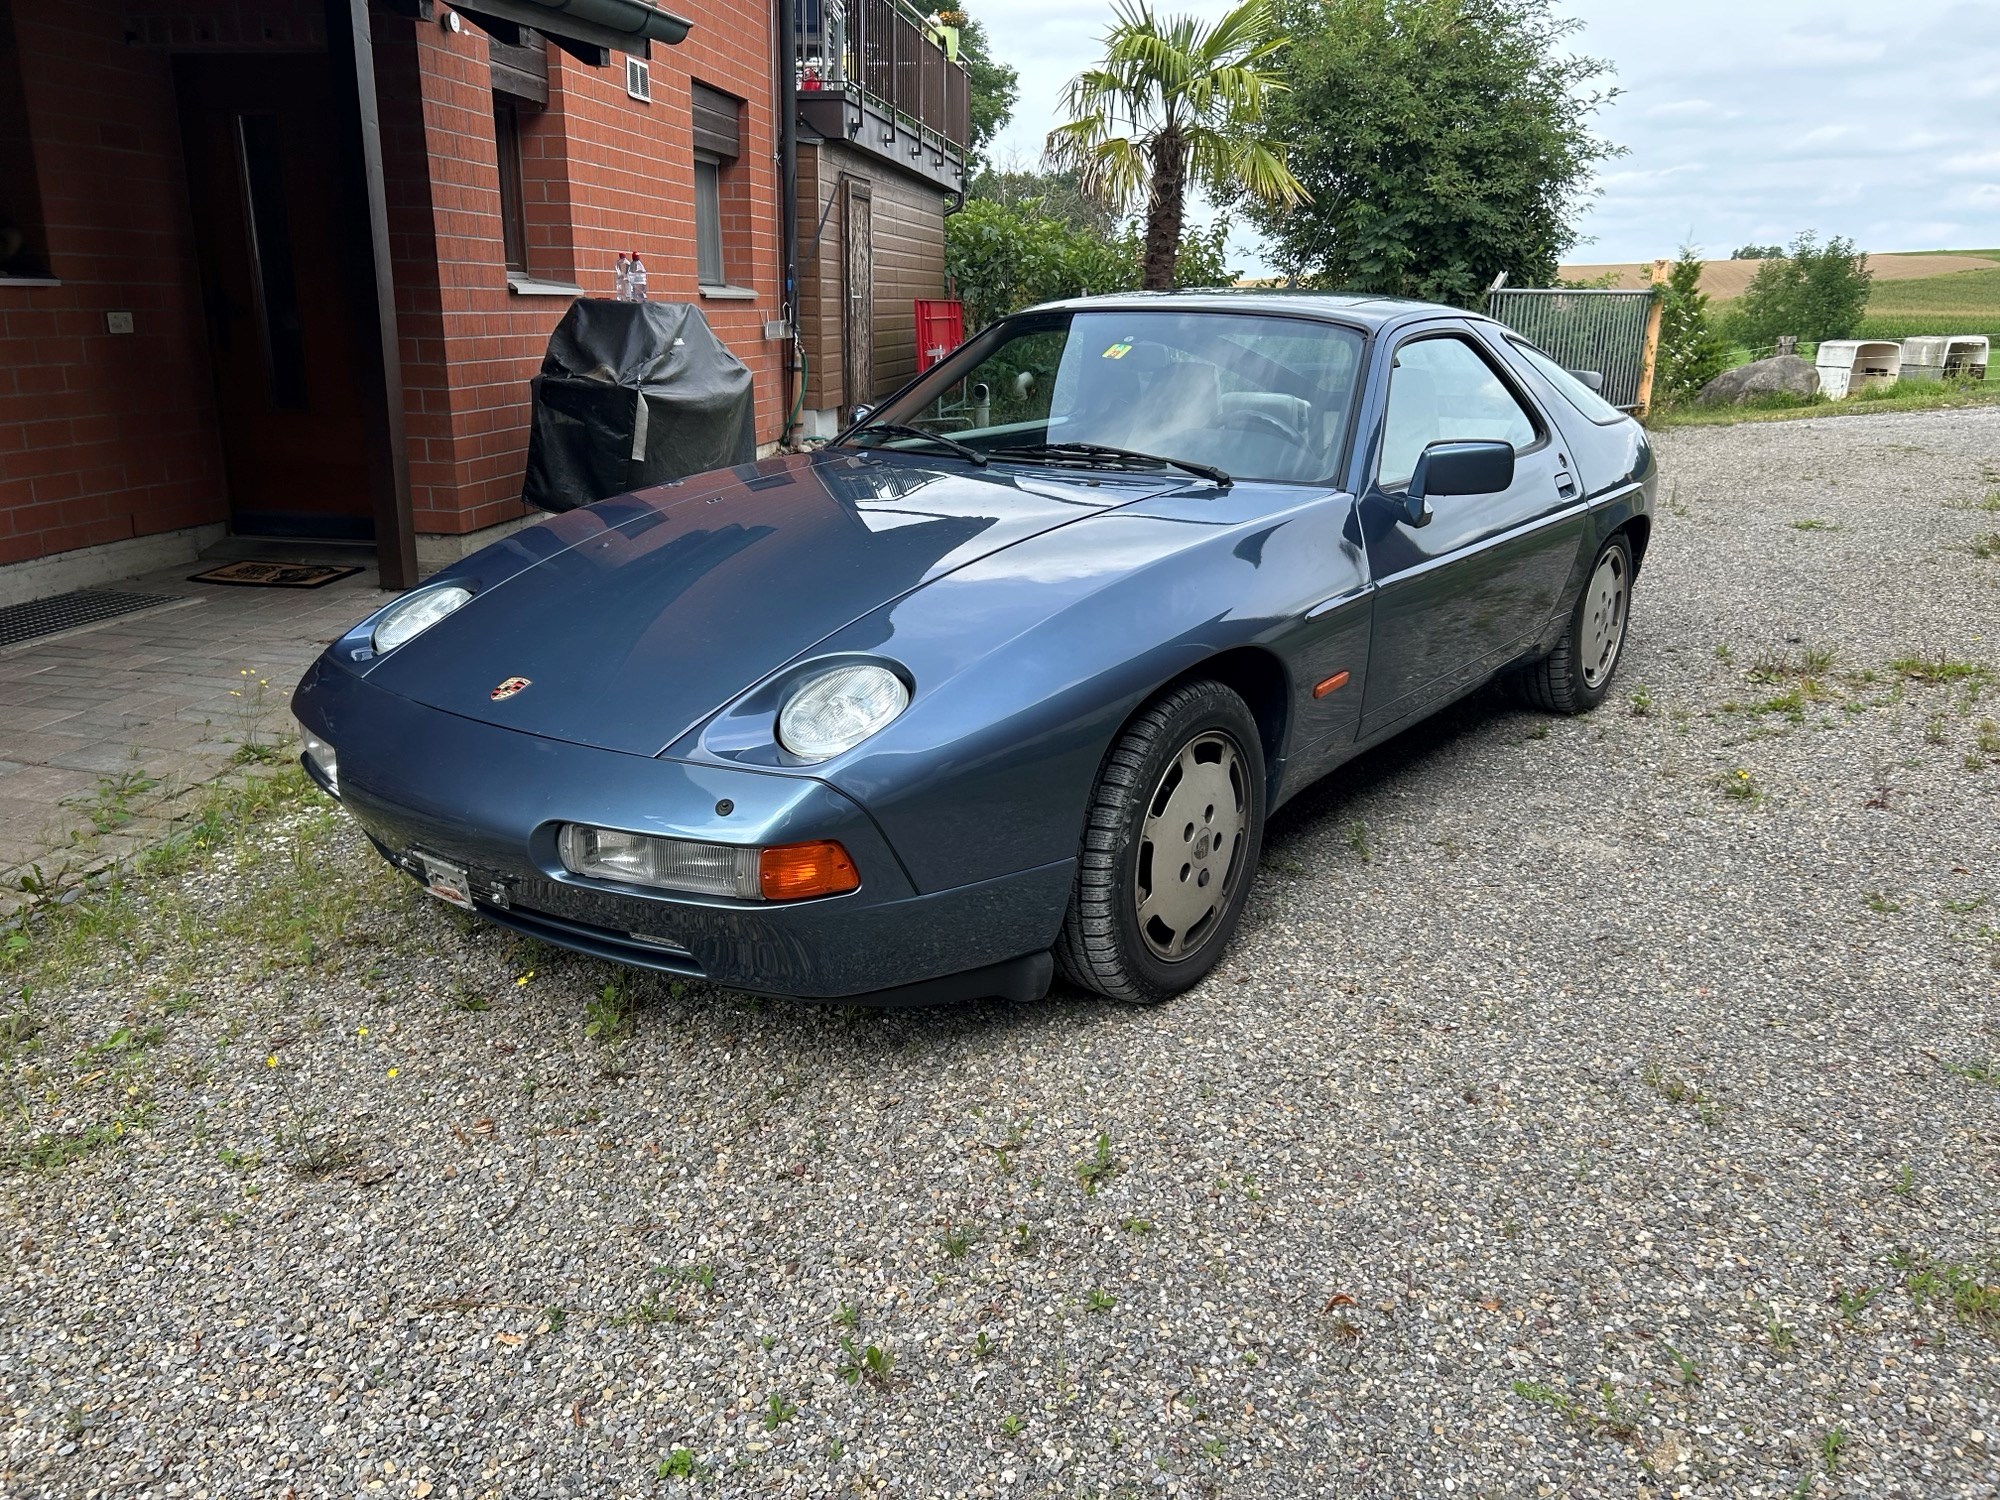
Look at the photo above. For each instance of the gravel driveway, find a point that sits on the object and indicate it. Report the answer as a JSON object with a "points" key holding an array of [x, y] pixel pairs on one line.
{"points": [[1590, 1107]]}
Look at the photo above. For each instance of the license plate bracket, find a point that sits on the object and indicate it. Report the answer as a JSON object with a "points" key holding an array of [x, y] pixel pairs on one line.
{"points": [[445, 880]]}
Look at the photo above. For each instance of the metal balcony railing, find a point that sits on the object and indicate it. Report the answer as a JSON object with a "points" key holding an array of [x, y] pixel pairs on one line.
{"points": [[887, 52]]}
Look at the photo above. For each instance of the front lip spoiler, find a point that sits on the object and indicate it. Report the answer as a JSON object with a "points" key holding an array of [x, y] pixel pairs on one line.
{"points": [[1017, 979]]}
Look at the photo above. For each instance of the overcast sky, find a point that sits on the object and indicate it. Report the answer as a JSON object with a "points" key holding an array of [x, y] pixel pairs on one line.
{"points": [[1747, 120]]}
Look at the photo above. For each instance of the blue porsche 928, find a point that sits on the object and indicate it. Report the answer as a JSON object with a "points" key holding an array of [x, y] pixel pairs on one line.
{"points": [[1005, 681]]}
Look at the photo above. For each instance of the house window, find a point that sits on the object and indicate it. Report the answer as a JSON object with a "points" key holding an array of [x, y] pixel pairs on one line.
{"points": [[719, 216], [513, 201], [708, 222]]}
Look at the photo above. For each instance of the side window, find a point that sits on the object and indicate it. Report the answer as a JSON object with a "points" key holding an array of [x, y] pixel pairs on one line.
{"points": [[1442, 389]]}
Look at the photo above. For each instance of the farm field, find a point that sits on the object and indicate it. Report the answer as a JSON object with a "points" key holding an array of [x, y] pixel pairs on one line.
{"points": [[1949, 291]]}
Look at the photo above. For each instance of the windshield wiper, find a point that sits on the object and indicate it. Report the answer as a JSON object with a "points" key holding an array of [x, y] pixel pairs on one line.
{"points": [[1117, 455], [904, 429]]}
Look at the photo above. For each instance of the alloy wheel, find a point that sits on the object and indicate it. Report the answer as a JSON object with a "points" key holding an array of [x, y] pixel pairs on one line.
{"points": [[1190, 845]]}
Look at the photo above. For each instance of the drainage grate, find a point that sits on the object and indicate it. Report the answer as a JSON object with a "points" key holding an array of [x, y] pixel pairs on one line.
{"points": [[40, 617]]}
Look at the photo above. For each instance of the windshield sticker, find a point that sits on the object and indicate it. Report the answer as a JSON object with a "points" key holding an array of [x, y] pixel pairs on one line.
{"points": [[1119, 350]]}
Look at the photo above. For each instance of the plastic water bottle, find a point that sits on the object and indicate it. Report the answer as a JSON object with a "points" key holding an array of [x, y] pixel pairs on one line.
{"points": [[637, 280], [624, 278]]}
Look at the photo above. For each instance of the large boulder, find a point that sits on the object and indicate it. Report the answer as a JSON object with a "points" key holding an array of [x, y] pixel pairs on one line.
{"points": [[1785, 375]]}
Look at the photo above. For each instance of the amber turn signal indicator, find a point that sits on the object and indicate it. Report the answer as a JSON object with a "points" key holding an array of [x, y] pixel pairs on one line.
{"points": [[792, 872], [1333, 684]]}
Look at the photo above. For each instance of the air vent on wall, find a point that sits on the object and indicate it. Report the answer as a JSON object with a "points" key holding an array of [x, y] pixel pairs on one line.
{"points": [[639, 80]]}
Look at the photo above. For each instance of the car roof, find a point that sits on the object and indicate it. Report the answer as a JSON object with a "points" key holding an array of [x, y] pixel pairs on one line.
{"points": [[1367, 311]]}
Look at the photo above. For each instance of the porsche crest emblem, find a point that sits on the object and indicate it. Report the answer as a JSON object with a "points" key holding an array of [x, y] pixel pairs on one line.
{"points": [[508, 688]]}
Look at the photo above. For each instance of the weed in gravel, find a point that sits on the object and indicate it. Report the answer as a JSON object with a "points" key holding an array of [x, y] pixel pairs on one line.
{"points": [[1979, 1072], [1642, 701], [1617, 1419], [1099, 1167], [1830, 1445], [1685, 1368], [1100, 1300], [326, 1157], [1784, 1338], [1133, 1224], [1985, 546], [1025, 1240], [1942, 669], [983, 1346], [956, 1242], [699, 1273], [873, 1363], [1739, 786], [1012, 1426], [849, 1316], [608, 1016], [1357, 840], [1816, 523], [52, 1150], [647, 1312], [1937, 730], [1880, 904], [1970, 1290], [238, 1161], [777, 1412], [1990, 501], [1852, 1304], [680, 1464], [1986, 737], [553, 1318], [1906, 1181]]}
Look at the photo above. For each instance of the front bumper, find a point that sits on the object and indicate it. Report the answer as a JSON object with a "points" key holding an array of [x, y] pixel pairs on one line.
{"points": [[491, 800]]}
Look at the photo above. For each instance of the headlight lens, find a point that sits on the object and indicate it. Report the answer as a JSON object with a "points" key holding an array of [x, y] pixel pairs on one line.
{"points": [[411, 617], [323, 758], [840, 709]]}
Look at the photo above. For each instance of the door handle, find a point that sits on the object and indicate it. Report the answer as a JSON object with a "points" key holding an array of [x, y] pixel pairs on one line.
{"points": [[1565, 484]]}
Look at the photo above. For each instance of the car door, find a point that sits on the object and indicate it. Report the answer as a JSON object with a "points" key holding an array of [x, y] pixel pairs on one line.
{"points": [[1473, 583]]}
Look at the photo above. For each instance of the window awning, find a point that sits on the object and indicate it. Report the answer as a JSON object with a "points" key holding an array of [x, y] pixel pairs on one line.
{"points": [[584, 26]]}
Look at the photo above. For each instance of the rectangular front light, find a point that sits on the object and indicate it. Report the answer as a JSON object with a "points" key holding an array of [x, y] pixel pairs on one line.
{"points": [[670, 864], [323, 758]]}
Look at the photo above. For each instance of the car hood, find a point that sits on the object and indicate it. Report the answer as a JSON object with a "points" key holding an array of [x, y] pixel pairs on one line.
{"points": [[640, 616]]}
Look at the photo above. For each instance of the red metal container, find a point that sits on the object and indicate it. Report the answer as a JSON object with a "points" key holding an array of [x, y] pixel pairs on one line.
{"points": [[940, 329]]}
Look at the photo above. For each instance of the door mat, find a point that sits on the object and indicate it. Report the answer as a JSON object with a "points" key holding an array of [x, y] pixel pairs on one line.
{"points": [[255, 573]]}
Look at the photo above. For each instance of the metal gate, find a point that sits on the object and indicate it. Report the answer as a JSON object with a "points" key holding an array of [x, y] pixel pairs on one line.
{"points": [[1601, 329]]}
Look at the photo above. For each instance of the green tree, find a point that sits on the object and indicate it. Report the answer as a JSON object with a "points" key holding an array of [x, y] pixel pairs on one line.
{"points": [[1442, 142], [1815, 291], [1692, 352], [1060, 195], [1757, 252], [1006, 256], [1176, 102], [994, 86]]}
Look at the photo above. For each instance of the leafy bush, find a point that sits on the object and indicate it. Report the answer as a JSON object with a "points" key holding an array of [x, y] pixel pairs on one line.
{"points": [[1006, 256], [1817, 292], [1692, 352], [1758, 252]]}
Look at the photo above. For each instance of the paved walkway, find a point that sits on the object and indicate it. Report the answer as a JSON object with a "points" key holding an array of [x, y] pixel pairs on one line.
{"points": [[108, 732]]}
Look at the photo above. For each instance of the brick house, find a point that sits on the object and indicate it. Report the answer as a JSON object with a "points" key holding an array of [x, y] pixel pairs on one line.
{"points": [[285, 267]]}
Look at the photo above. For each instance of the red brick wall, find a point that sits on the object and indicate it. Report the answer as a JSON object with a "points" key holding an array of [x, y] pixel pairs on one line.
{"points": [[603, 173], [103, 436]]}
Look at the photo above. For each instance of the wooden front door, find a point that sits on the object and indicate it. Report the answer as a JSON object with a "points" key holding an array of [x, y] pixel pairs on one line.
{"points": [[857, 229], [281, 237]]}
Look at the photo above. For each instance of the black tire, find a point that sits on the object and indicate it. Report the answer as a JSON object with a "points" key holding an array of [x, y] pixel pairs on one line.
{"points": [[1104, 945], [1561, 682]]}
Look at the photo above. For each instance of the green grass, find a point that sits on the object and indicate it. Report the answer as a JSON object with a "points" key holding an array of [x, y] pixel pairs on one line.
{"points": [[1936, 396]]}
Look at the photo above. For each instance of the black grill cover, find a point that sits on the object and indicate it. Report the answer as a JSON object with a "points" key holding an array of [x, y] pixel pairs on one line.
{"points": [[631, 394]]}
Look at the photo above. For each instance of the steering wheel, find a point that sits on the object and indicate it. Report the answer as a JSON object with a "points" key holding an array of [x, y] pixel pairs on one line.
{"points": [[1262, 424]]}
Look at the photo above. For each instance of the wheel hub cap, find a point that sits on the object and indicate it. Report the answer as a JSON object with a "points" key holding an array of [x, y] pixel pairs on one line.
{"points": [[1189, 845], [1604, 618]]}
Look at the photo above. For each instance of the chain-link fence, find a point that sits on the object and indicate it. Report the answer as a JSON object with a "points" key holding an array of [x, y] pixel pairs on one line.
{"points": [[1601, 329]]}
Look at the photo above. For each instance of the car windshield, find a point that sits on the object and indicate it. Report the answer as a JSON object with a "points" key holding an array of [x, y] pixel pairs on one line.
{"points": [[1255, 397]]}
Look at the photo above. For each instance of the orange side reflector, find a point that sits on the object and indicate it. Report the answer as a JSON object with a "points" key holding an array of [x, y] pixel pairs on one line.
{"points": [[791, 872], [1333, 684]]}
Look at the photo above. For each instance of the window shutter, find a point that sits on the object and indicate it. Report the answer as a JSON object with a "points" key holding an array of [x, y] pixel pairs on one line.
{"points": [[716, 128]]}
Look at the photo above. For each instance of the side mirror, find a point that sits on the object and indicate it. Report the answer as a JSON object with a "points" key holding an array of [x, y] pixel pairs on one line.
{"points": [[1457, 468], [1592, 378]]}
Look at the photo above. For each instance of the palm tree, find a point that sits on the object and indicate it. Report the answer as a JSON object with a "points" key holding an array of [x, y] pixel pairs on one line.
{"points": [[1176, 99]]}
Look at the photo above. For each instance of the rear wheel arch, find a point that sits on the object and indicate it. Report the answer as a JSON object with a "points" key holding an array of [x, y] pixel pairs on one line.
{"points": [[1637, 532]]}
